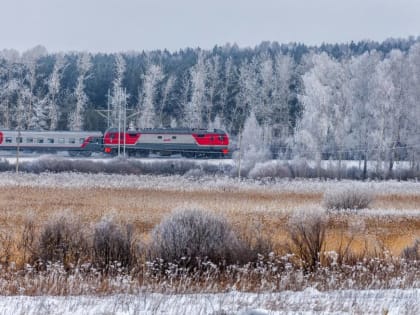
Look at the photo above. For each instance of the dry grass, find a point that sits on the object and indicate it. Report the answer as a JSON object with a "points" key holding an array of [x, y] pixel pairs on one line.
{"points": [[248, 211]]}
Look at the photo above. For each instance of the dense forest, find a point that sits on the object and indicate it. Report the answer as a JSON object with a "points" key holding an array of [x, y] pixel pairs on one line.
{"points": [[334, 101]]}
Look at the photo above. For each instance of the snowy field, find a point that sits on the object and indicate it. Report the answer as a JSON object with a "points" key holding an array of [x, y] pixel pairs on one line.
{"points": [[309, 301], [201, 183]]}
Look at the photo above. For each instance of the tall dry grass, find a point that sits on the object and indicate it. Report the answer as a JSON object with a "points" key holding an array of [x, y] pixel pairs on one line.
{"points": [[125, 218]]}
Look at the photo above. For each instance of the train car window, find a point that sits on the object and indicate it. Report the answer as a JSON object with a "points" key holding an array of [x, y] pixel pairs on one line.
{"points": [[173, 137], [19, 139], [50, 140], [72, 140], [29, 140], [159, 137], [8, 140], [61, 140], [40, 140]]}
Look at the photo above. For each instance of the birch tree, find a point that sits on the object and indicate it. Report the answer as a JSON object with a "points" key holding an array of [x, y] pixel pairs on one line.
{"points": [[119, 95], [52, 97], [76, 120], [152, 78]]}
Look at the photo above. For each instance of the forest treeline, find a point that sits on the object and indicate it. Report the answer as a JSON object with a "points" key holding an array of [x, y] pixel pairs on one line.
{"points": [[333, 101]]}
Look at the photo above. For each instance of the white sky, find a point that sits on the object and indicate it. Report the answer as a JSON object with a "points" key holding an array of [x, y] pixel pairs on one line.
{"points": [[123, 25]]}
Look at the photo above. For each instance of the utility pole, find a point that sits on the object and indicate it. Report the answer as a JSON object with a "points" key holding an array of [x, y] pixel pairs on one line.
{"points": [[108, 110], [119, 121], [240, 155], [125, 120], [18, 150]]}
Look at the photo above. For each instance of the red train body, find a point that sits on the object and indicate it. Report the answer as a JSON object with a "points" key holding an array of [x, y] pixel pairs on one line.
{"points": [[184, 141]]}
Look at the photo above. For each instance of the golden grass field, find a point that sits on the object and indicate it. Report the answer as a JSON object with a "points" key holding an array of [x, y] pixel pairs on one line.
{"points": [[248, 211]]}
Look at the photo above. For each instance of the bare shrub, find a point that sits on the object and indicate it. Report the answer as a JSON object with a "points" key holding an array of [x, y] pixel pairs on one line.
{"points": [[112, 245], [191, 236], [62, 240], [347, 198], [27, 241], [307, 234], [412, 252]]}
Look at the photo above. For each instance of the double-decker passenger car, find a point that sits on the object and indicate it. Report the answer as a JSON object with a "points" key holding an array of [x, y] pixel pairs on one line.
{"points": [[74, 142], [188, 142]]}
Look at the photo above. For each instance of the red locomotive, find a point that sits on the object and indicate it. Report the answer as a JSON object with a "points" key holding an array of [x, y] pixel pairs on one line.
{"points": [[168, 141]]}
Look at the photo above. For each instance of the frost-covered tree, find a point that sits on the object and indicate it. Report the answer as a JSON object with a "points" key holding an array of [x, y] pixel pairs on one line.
{"points": [[413, 125], [247, 98], [147, 117], [194, 109], [119, 95], [52, 97], [252, 147], [227, 94], [313, 129], [76, 120], [361, 85], [29, 61]]}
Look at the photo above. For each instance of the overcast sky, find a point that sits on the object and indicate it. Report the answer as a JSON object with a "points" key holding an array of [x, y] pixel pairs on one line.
{"points": [[123, 25]]}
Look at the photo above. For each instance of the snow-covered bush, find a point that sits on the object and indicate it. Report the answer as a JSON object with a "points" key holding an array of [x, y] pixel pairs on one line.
{"points": [[189, 237], [347, 198], [112, 245], [307, 231], [270, 170]]}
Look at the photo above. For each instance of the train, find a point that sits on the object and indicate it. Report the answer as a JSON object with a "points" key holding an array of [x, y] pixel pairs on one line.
{"points": [[76, 143], [186, 142]]}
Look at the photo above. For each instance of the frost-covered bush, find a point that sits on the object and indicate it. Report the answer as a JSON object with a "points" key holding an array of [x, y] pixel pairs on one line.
{"points": [[270, 170], [62, 240], [307, 235], [5, 166], [189, 237], [112, 245], [347, 198]]}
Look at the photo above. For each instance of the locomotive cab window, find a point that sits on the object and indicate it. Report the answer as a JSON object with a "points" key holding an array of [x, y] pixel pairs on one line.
{"points": [[81, 140], [221, 138], [200, 136], [8, 140]]}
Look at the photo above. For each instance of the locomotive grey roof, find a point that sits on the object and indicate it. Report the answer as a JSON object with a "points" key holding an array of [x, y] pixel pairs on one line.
{"points": [[170, 130]]}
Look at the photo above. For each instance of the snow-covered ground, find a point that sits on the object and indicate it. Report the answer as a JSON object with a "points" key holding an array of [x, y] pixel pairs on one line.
{"points": [[309, 301], [193, 183]]}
